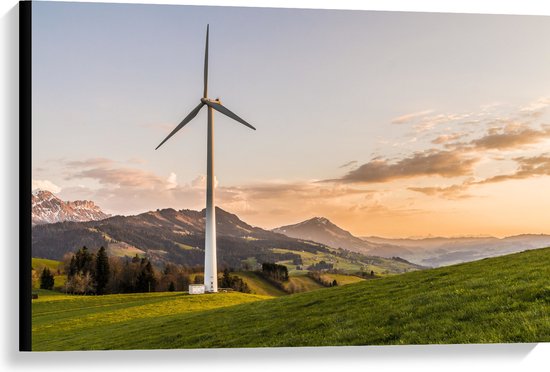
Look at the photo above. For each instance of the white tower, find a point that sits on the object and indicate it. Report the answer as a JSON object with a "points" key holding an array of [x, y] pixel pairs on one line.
{"points": [[210, 261]]}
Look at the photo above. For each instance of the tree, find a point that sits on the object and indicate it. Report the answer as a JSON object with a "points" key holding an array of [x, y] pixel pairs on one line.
{"points": [[46, 279], [172, 287], [84, 261], [72, 267], [226, 279], [146, 281], [334, 283], [199, 279], [101, 271]]}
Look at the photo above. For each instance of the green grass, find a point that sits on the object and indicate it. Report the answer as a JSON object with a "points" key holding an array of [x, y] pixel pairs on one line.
{"points": [[301, 283], [502, 299], [259, 285], [69, 322], [341, 279], [124, 250], [39, 263]]}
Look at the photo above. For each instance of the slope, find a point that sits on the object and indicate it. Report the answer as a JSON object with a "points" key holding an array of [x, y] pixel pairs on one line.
{"points": [[502, 299], [259, 285]]}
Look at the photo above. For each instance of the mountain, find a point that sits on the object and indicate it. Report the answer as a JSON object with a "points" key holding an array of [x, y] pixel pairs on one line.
{"points": [[48, 208], [440, 251], [169, 235], [321, 230]]}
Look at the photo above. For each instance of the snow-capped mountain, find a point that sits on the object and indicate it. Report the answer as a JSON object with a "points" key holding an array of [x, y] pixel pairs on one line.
{"points": [[48, 208]]}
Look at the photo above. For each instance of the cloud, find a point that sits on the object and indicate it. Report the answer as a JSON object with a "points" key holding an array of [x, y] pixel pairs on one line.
{"points": [[92, 162], [448, 192], [172, 180], [435, 120], [200, 182], [444, 138], [348, 164], [45, 185], [123, 177], [410, 117], [527, 167], [536, 108], [419, 164], [514, 135]]}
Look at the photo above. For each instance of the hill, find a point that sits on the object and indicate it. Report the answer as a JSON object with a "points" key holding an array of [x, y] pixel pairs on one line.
{"points": [[322, 230], [174, 236], [259, 285], [495, 300]]}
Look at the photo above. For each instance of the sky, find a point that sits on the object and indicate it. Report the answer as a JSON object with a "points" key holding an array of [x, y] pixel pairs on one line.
{"points": [[388, 123]]}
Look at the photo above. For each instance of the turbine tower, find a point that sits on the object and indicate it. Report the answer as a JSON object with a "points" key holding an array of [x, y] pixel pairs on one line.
{"points": [[210, 263]]}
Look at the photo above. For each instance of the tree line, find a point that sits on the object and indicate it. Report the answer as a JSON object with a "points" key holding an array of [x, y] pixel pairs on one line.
{"points": [[97, 273]]}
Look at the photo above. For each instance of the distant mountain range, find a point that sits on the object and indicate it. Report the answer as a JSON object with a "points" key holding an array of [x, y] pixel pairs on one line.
{"points": [[48, 208], [427, 252], [178, 236], [169, 235], [447, 251]]}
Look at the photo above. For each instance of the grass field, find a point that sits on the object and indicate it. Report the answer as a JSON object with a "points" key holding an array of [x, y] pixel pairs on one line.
{"points": [[301, 283], [502, 299], [59, 320], [259, 285], [341, 279], [39, 264]]}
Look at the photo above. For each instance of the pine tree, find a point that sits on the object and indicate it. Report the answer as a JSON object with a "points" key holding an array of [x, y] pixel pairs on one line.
{"points": [[226, 279], [46, 279], [101, 271], [72, 267], [146, 281], [172, 287]]}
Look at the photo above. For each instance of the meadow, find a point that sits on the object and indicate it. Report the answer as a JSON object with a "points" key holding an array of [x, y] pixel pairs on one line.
{"points": [[496, 300]]}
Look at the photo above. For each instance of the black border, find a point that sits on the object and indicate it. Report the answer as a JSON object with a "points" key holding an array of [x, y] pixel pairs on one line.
{"points": [[25, 164]]}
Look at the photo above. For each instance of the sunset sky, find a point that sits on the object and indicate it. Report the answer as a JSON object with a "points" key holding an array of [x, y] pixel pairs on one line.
{"points": [[390, 124]]}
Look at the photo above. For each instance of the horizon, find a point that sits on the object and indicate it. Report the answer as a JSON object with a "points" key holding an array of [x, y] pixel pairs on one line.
{"points": [[382, 130], [307, 219]]}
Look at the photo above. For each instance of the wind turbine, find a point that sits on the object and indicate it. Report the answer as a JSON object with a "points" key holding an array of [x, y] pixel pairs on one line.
{"points": [[210, 263]]}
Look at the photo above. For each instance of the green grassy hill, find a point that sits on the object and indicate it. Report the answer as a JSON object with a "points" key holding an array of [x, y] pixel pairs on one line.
{"points": [[259, 285], [39, 264], [301, 283], [503, 299]]}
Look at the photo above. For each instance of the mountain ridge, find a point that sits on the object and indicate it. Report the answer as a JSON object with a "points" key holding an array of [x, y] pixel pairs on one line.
{"points": [[48, 208], [177, 236]]}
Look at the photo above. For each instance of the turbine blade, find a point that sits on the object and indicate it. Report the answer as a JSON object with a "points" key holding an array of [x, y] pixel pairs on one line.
{"points": [[224, 110], [187, 119], [206, 64]]}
